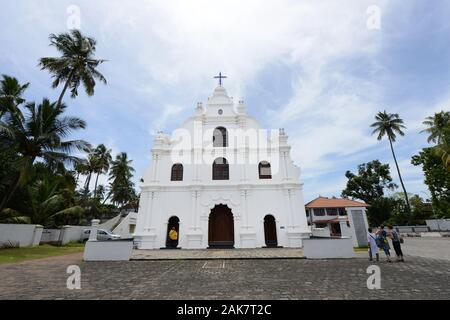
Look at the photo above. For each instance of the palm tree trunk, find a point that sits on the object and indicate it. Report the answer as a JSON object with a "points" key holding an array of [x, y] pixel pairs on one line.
{"points": [[96, 181], [401, 182], [66, 86], [77, 179], [87, 183], [11, 190], [13, 187], [107, 197]]}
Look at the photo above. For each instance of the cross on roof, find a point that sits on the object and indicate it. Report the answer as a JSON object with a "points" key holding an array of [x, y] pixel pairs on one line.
{"points": [[220, 77]]}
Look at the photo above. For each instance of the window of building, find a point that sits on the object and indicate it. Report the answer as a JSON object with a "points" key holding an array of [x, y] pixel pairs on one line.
{"points": [[332, 211], [221, 169], [265, 172], [319, 212], [177, 172], [220, 137], [342, 212]]}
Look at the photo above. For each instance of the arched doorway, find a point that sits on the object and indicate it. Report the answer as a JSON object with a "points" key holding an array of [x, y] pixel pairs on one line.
{"points": [[221, 227], [174, 222], [270, 231]]}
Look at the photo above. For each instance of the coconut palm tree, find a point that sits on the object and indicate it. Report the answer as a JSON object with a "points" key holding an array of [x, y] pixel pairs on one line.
{"points": [[388, 124], [439, 133], [122, 188], [80, 168], [41, 134], [91, 167], [47, 200], [76, 65], [104, 159], [11, 92], [438, 126]]}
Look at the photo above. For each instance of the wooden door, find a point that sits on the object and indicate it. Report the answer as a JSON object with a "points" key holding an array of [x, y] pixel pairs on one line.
{"points": [[221, 228], [270, 231]]}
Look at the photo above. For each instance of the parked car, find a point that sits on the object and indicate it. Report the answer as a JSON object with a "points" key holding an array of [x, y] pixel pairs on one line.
{"points": [[102, 235]]}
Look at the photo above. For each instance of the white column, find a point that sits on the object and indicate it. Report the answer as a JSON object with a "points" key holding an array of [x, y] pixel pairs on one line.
{"points": [[149, 212], [156, 158], [94, 228]]}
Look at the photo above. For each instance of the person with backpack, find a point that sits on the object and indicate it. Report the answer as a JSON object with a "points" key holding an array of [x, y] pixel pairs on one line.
{"points": [[396, 243], [383, 243], [372, 242]]}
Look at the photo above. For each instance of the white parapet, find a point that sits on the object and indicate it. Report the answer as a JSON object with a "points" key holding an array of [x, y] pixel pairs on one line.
{"points": [[108, 250], [328, 248]]}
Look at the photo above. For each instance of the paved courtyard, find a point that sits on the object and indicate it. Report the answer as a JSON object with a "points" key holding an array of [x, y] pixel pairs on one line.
{"points": [[418, 278], [217, 254]]}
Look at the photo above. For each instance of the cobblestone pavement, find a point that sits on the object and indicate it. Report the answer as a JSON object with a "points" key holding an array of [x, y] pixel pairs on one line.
{"points": [[266, 253], [418, 278], [437, 248]]}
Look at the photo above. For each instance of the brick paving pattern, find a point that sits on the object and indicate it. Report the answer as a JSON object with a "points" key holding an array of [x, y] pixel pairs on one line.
{"points": [[266, 253], [418, 278]]}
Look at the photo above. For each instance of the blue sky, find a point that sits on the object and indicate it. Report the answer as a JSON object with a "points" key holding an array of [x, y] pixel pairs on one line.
{"points": [[313, 68]]}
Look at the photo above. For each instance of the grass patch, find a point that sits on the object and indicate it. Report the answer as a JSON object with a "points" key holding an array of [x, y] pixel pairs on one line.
{"points": [[15, 255]]}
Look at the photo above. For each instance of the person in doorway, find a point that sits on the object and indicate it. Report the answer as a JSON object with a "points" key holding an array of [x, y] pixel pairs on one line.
{"points": [[173, 238], [396, 243], [373, 248], [383, 243]]}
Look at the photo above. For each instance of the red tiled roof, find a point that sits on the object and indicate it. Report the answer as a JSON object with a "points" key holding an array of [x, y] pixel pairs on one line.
{"points": [[323, 202]]}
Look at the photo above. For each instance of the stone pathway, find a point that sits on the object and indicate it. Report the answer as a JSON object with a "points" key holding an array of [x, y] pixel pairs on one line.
{"points": [[216, 254], [418, 278], [437, 248]]}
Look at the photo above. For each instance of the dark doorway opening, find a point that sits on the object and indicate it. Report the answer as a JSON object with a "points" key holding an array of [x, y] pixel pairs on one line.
{"points": [[270, 231], [174, 222], [221, 228]]}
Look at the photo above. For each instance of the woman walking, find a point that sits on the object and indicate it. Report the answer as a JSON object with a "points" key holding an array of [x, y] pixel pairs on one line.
{"points": [[396, 243], [383, 243]]}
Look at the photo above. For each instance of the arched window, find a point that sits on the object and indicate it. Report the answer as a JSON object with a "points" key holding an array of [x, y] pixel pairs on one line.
{"points": [[221, 169], [220, 137], [177, 172], [265, 171]]}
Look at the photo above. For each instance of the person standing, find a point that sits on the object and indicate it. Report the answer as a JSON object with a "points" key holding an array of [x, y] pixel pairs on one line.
{"points": [[396, 243], [372, 242], [173, 237], [383, 243]]}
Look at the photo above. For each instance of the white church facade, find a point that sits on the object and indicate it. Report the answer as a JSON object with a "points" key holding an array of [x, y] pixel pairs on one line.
{"points": [[221, 181]]}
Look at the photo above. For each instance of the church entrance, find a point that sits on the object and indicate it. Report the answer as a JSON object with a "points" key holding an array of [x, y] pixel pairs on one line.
{"points": [[174, 222], [270, 231], [221, 228]]}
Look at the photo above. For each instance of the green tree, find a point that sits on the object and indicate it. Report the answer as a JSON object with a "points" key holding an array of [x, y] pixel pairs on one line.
{"points": [[11, 92], [90, 167], [49, 201], [40, 134], [76, 65], [439, 133], [390, 125], [437, 179], [381, 210], [122, 188], [104, 158], [369, 183]]}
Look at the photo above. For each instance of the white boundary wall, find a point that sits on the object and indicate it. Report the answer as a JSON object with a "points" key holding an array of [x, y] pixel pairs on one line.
{"points": [[25, 235]]}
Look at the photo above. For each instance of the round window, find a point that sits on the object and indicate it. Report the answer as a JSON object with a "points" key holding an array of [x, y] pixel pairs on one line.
{"points": [[220, 112]]}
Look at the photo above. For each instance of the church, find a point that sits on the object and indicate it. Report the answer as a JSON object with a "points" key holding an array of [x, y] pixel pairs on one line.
{"points": [[221, 181]]}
